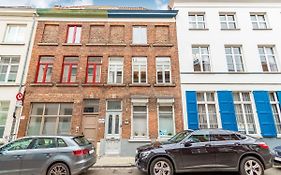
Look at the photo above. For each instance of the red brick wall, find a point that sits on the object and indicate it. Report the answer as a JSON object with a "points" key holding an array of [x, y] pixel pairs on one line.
{"points": [[76, 94]]}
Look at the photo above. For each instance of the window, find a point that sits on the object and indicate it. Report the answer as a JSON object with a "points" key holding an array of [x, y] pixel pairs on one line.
{"points": [[50, 118], [74, 34], [259, 21], [15, 33], [91, 106], [69, 73], [139, 35], [244, 113], [139, 69], [18, 145], [267, 57], [4, 108], [140, 121], [42, 143], [275, 106], [115, 70], [207, 110], [228, 21], [201, 59], [9, 66], [199, 136], [45, 69], [61, 143], [197, 21], [234, 59], [166, 120], [93, 70], [163, 67], [114, 105]]}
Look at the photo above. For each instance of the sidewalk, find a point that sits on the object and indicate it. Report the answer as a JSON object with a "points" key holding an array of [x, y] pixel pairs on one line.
{"points": [[108, 161]]}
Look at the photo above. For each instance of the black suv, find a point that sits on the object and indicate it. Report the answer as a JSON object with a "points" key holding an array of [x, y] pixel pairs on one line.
{"points": [[205, 150]]}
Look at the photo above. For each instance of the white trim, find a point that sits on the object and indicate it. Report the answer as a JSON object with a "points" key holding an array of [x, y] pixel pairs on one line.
{"points": [[115, 66], [100, 20], [139, 64]]}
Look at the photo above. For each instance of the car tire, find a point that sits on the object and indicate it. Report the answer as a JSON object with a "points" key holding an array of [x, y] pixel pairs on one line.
{"points": [[161, 164], [58, 168], [251, 165]]}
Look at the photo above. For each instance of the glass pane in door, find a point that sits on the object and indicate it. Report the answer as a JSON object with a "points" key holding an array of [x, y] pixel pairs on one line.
{"points": [[109, 130], [117, 124]]}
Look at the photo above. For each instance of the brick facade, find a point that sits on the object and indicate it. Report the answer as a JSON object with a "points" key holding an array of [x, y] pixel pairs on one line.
{"points": [[105, 40]]}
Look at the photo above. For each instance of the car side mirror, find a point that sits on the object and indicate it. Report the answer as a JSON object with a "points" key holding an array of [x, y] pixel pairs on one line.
{"points": [[188, 144]]}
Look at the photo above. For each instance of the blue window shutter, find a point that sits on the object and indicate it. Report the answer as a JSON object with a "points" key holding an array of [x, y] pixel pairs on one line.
{"points": [[279, 97], [265, 114], [227, 111], [192, 111]]}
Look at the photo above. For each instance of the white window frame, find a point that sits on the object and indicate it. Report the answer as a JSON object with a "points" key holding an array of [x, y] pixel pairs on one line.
{"points": [[258, 21], [233, 58], [10, 64], [139, 102], [118, 63], [139, 62], [228, 21], [200, 57], [136, 31], [195, 14], [16, 34], [275, 102], [266, 57], [206, 103], [162, 61], [7, 115]]}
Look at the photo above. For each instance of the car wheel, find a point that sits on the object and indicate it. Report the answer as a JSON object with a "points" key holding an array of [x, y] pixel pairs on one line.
{"points": [[161, 166], [58, 169], [251, 166]]}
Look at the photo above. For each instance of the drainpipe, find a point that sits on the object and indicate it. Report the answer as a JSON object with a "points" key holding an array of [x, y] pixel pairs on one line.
{"points": [[14, 123]]}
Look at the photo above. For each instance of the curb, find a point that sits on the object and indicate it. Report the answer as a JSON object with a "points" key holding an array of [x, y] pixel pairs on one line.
{"points": [[111, 166]]}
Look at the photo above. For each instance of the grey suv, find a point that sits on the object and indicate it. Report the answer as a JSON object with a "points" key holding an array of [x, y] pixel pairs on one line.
{"points": [[205, 150], [47, 155]]}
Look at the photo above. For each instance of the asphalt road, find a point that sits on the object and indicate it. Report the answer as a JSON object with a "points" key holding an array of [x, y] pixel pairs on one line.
{"points": [[135, 171]]}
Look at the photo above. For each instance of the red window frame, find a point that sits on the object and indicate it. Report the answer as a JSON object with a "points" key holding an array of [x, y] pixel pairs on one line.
{"points": [[70, 64], [74, 33], [45, 71], [95, 64]]}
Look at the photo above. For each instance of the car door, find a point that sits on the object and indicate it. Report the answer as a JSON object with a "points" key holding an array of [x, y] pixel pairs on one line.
{"points": [[196, 152], [41, 152], [226, 147], [11, 156]]}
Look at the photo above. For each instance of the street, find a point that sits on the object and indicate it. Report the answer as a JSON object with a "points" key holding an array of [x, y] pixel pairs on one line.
{"points": [[135, 171]]}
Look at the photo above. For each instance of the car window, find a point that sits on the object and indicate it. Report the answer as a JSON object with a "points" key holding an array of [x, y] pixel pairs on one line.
{"points": [[18, 145], [220, 137], [199, 138], [44, 143], [81, 141], [61, 143], [179, 137]]}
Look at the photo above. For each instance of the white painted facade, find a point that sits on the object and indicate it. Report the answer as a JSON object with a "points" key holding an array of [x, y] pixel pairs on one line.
{"points": [[8, 90], [219, 78]]}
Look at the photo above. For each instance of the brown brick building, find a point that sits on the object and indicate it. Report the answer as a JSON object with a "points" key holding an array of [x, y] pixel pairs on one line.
{"points": [[112, 75]]}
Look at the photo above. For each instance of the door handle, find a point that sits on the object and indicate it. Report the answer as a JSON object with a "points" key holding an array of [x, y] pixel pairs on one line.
{"points": [[18, 156], [237, 144], [48, 155], [208, 145]]}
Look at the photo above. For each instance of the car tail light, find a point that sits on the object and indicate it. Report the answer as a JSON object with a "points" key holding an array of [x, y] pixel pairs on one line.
{"points": [[263, 145], [81, 152]]}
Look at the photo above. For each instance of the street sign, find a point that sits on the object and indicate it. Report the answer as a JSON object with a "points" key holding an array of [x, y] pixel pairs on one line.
{"points": [[19, 103], [19, 96]]}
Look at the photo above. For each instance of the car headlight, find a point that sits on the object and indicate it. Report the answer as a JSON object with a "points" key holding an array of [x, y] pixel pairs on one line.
{"points": [[145, 154]]}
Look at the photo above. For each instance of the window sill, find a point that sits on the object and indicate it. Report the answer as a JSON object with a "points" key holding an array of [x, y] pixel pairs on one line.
{"points": [[67, 84], [263, 29], [91, 84], [117, 85], [18, 44], [4, 84], [206, 29], [41, 84], [71, 44], [96, 44], [117, 44], [165, 85], [231, 29], [139, 140], [139, 45], [163, 45], [90, 113], [47, 44], [140, 85]]}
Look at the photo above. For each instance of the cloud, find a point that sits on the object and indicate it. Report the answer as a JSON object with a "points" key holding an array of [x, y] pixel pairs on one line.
{"points": [[161, 4], [45, 3]]}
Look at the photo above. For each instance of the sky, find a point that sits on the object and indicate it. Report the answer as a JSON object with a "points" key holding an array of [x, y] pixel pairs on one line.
{"points": [[150, 4]]}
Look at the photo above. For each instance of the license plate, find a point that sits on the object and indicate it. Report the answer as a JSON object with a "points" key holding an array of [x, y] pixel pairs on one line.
{"points": [[91, 151], [277, 158]]}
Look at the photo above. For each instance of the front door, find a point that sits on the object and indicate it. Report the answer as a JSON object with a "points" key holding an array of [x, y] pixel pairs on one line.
{"points": [[113, 132], [90, 125]]}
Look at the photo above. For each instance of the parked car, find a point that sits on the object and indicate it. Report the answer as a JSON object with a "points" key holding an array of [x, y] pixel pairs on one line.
{"points": [[47, 155], [205, 151], [277, 156]]}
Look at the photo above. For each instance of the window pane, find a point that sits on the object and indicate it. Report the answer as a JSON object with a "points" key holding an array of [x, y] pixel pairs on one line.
{"points": [[117, 124], [66, 109], [64, 125], [109, 130], [48, 127], [49, 73], [65, 73], [113, 105], [34, 126], [91, 105], [70, 35], [41, 73], [51, 109], [139, 35], [78, 35], [73, 73], [37, 109]]}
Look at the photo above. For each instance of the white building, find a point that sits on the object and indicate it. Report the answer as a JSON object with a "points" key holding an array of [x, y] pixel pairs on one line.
{"points": [[230, 64], [16, 26]]}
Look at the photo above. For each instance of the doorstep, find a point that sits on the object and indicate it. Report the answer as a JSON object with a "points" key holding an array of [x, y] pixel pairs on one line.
{"points": [[114, 161]]}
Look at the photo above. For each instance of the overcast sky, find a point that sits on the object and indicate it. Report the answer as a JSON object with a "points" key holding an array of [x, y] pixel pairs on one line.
{"points": [[151, 4]]}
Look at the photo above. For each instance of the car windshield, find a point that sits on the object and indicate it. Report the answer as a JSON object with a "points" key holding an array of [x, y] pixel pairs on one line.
{"points": [[179, 136], [81, 141]]}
